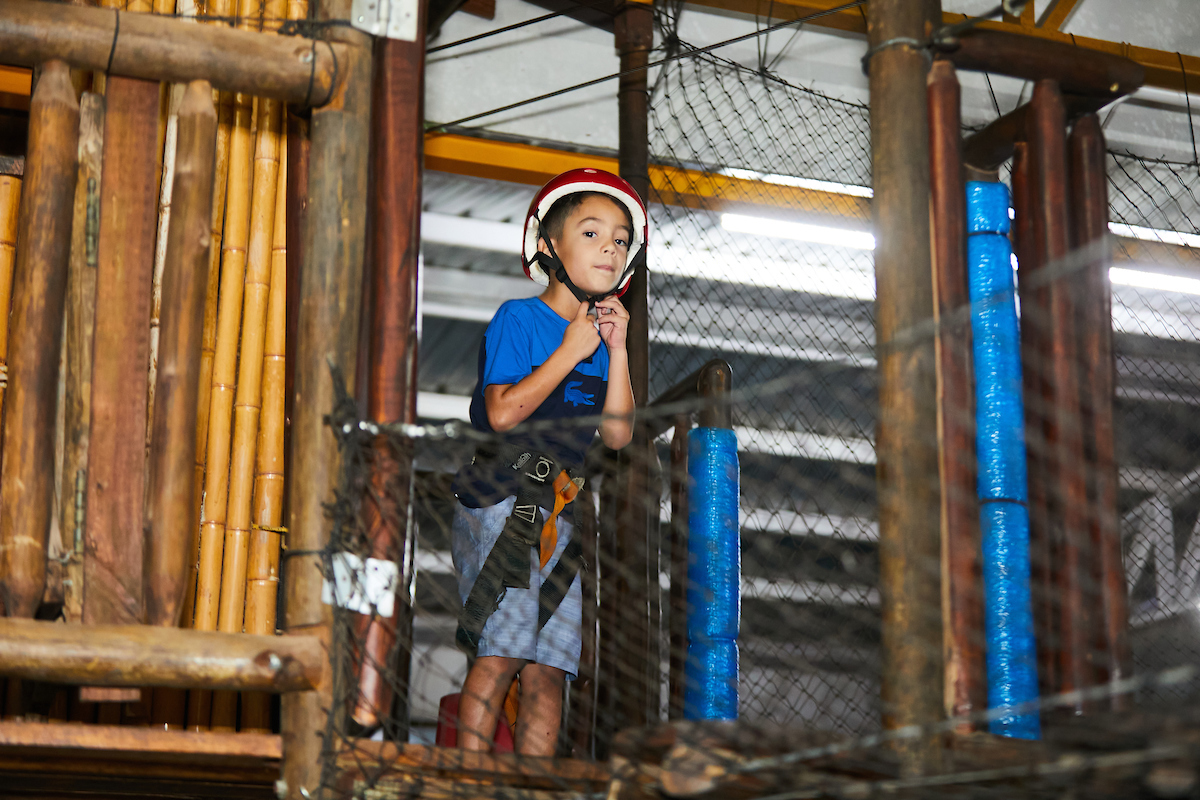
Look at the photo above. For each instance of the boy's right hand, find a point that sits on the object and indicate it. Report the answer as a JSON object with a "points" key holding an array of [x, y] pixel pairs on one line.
{"points": [[581, 338]]}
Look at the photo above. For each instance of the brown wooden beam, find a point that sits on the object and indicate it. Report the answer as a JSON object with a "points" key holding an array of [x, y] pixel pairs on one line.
{"points": [[38, 297], [397, 144], [185, 278], [163, 48], [906, 433], [146, 655], [962, 607], [329, 314], [1089, 207], [113, 559], [1078, 71], [1163, 68]]}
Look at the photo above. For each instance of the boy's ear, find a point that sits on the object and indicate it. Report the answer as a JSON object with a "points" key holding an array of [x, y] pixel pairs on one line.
{"points": [[542, 248]]}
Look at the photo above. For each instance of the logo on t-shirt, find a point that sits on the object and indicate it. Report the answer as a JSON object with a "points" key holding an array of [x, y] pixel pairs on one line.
{"points": [[575, 397]]}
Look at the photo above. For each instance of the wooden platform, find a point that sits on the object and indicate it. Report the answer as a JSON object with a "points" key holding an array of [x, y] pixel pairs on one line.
{"points": [[42, 760]]}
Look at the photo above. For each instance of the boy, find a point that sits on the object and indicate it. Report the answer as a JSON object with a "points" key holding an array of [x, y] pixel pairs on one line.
{"points": [[548, 369]]}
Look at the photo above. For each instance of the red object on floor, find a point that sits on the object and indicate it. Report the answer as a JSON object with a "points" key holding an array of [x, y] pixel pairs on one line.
{"points": [[447, 727]]}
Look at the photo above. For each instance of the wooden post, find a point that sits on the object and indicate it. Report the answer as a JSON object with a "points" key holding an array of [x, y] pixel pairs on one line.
{"points": [[1089, 206], [116, 454], [962, 587], [1064, 431], [1035, 311], [583, 690], [185, 278], [397, 145], [80, 324], [637, 595], [677, 616], [38, 296], [330, 302], [906, 432]]}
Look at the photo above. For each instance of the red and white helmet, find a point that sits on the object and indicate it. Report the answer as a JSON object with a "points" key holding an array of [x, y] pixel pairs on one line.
{"points": [[583, 180]]}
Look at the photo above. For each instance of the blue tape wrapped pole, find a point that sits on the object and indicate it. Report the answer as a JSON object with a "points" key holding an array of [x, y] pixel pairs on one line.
{"points": [[714, 576], [1002, 482]]}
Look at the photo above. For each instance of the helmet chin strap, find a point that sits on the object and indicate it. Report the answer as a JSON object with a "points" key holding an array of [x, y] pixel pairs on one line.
{"points": [[553, 265]]}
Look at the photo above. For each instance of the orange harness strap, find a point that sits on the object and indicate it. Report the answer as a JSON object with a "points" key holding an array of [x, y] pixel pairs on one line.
{"points": [[565, 491]]}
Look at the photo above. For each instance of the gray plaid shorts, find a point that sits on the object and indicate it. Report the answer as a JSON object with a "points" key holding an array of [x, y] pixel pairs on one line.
{"points": [[512, 630]]}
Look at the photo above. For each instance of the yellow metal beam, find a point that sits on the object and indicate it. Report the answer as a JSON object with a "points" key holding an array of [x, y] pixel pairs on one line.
{"points": [[15, 80], [1058, 14], [1163, 69], [523, 163]]}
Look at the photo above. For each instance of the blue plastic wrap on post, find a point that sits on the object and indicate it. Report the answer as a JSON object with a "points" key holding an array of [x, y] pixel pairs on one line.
{"points": [[1008, 617], [1002, 482], [987, 207], [710, 678], [714, 575]]}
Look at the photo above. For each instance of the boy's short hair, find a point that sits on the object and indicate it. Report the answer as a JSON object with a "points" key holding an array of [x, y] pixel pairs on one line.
{"points": [[556, 217]]}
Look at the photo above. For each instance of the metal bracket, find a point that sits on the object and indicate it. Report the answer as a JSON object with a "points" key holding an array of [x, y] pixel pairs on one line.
{"points": [[395, 19]]}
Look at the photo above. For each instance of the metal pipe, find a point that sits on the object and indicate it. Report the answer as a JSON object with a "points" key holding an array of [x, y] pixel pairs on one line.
{"points": [[638, 535], [1089, 205], [147, 655], [162, 48], [962, 610], [906, 433], [1064, 432], [397, 146]]}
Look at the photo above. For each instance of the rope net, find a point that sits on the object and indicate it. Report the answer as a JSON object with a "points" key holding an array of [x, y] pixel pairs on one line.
{"points": [[761, 258]]}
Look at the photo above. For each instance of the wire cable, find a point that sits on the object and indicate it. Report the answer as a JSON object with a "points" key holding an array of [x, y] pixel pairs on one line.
{"points": [[659, 63]]}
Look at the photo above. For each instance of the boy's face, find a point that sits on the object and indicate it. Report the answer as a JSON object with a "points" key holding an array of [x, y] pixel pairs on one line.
{"points": [[594, 244]]}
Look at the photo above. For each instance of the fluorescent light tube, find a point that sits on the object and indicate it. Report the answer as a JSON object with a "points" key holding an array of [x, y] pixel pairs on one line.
{"points": [[1154, 280], [799, 231]]}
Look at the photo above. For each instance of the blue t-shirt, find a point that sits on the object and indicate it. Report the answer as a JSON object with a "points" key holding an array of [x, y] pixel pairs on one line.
{"points": [[519, 339]]}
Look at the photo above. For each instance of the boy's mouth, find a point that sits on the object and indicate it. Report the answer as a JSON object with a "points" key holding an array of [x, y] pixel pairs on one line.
{"points": [[606, 267]]}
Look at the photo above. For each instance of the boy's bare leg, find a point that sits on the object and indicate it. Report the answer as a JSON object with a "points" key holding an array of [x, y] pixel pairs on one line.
{"points": [[540, 712], [482, 699]]}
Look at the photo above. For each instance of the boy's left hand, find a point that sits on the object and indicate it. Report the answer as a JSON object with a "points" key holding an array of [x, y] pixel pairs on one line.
{"points": [[613, 321]]}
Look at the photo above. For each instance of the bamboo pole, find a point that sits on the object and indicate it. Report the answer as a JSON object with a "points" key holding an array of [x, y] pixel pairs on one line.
{"points": [[38, 296], [247, 409], [224, 378], [262, 569], [80, 326], [224, 101], [169, 128], [187, 260], [10, 204]]}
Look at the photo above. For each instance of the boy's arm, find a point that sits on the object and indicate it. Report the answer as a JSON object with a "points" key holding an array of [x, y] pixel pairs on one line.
{"points": [[509, 404], [616, 429]]}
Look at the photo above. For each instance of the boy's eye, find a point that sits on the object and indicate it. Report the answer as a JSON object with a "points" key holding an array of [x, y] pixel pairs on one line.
{"points": [[589, 234], [623, 243]]}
